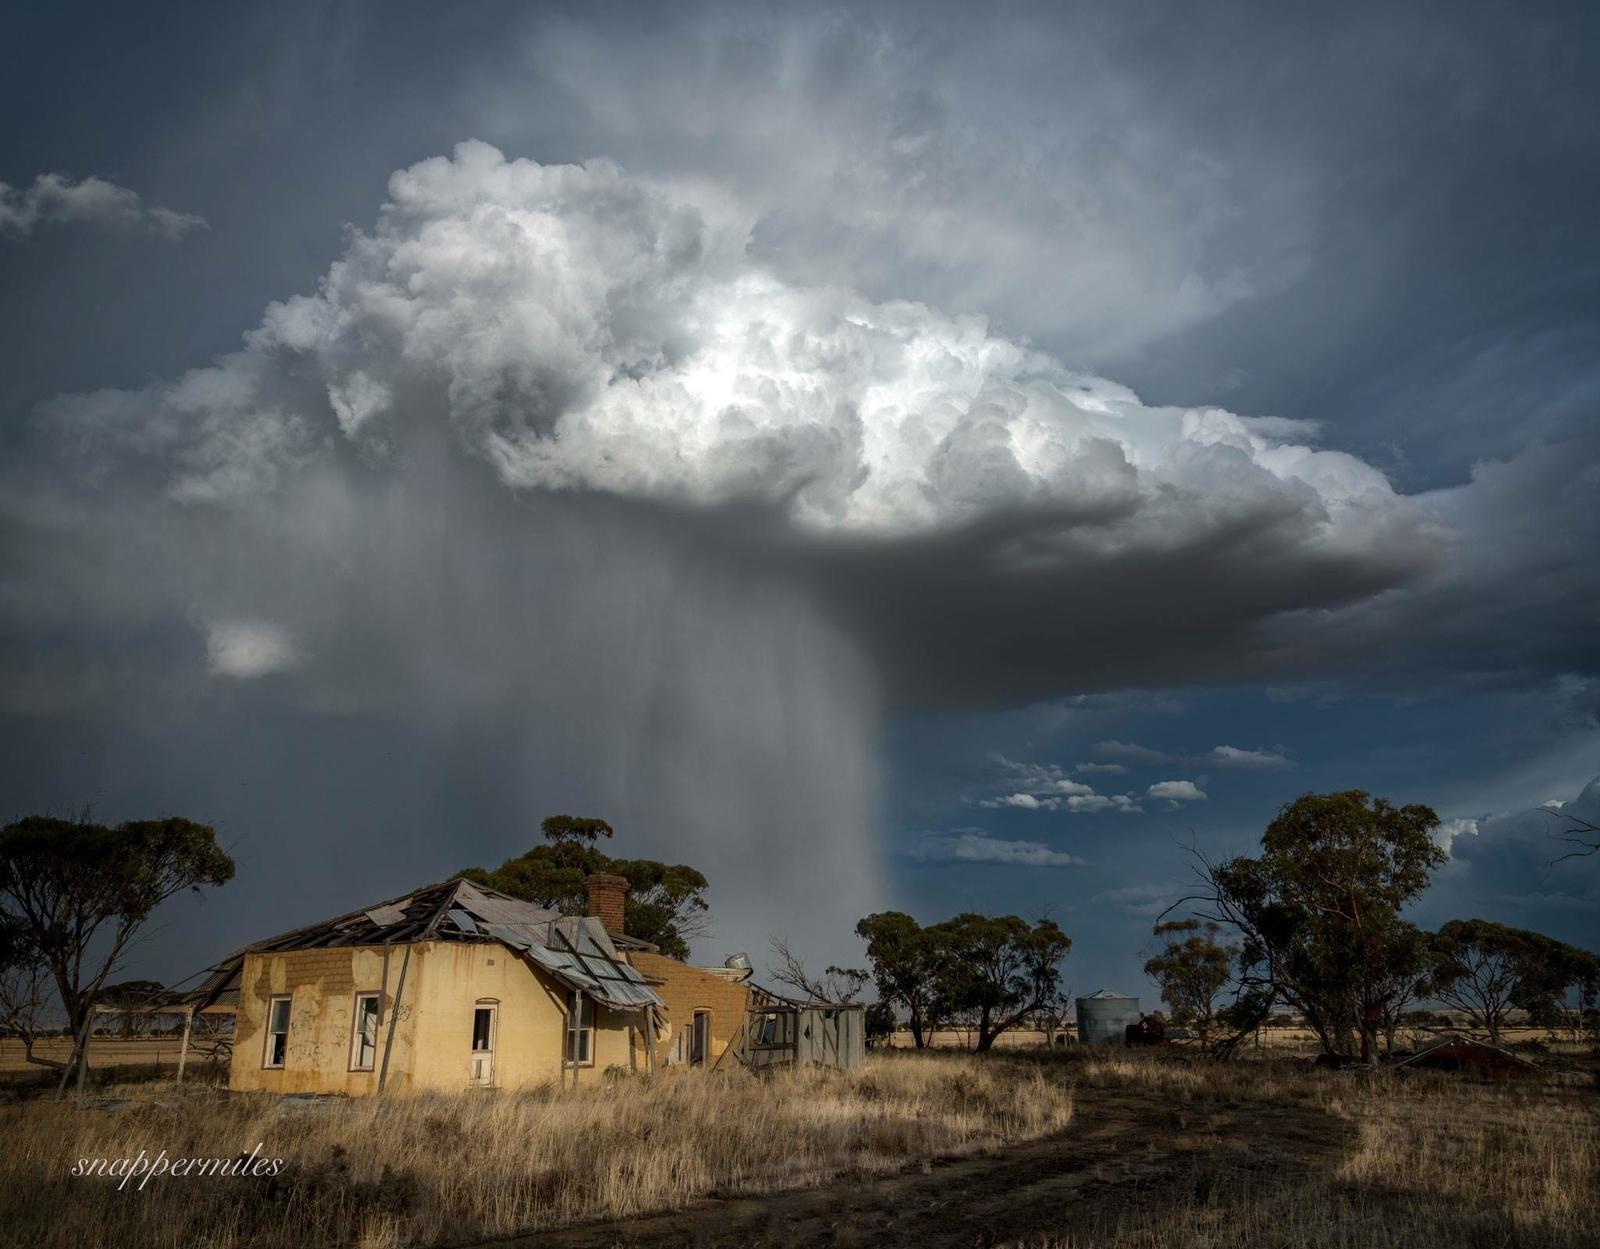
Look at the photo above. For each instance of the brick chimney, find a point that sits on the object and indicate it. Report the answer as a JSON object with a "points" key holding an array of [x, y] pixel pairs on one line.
{"points": [[608, 897]]}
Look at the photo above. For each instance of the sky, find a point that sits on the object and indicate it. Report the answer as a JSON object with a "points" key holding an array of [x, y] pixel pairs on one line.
{"points": [[887, 456]]}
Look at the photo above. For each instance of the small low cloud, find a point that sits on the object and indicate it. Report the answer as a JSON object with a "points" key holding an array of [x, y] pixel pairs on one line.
{"points": [[1123, 803], [55, 198], [1177, 791], [1146, 898], [1101, 769], [1128, 752], [1046, 787], [1023, 802], [973, 846], [246, 649], [1238, 757]]}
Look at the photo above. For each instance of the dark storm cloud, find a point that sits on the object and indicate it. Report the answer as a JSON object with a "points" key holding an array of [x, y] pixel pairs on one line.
{"points": [[1376, 218], [994, 525], [417, 665], [1510, 866]]}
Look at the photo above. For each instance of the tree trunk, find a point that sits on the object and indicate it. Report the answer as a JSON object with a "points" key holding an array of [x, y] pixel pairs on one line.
{"points": [[985, 1036], [80, 1041]]}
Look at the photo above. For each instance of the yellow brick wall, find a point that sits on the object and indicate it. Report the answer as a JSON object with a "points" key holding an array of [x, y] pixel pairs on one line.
{"points": [[322, 986], [444, 982], [685, 990]]}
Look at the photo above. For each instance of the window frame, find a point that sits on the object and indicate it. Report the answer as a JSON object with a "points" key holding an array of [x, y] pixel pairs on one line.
{"points": [[492, 1007], [582, 1005], [288, 1012], [372, 995]]}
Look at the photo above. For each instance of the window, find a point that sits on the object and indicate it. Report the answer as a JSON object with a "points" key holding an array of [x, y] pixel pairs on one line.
{"points": [[580, 1030], [364, 1033], [277, 1032], [700, 1038], [481, 1067]]}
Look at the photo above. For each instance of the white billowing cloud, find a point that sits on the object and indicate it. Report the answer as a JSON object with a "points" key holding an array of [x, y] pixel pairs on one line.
{"points": [[1445, 835], [1046, 787], [53, 197], [1024, 802], [1104, 802], [973, 846], [1177, 791], [583, 330], [245, 649], [1237, 757]]}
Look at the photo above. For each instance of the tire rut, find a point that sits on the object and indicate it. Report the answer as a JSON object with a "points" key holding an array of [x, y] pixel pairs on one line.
{"points": [[1123, 1148]]}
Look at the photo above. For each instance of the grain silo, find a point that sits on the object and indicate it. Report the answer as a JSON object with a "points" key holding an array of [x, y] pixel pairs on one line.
{"points": [[1103, 1017]]}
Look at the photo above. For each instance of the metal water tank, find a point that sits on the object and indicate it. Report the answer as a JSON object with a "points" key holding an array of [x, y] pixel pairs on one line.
{"points": [[1104, 1016], [737, 962]]}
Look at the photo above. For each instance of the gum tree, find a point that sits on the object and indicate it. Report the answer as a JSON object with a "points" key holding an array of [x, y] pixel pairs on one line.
{"points": [[1318, 913], [666, 901], [1192, 969], [1488, 970], [75, 893], [1000, 969], [904, 959]]}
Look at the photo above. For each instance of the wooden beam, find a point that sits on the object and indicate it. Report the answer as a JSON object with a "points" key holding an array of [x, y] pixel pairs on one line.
{"points": [[183, 1046], [383, 1071]]}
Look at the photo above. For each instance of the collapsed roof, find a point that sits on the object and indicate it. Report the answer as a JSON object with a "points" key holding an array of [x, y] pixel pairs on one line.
{"points": [[1463, 1053], [574, 950]]}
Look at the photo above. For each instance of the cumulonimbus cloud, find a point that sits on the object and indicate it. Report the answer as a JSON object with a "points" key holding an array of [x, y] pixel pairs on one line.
{"points": [[585, 332], [54, 197]]}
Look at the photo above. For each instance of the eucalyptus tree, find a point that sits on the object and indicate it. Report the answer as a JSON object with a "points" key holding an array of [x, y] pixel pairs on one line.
{"points": [[1319, 914], [74, 894]]}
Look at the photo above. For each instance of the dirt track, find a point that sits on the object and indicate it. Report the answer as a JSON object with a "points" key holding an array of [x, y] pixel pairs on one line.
{"points": [[1123, 1148]]}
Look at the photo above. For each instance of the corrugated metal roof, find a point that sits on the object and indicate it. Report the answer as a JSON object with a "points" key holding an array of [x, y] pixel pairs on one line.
{"points": [[496, 908], [576, 950], [385, 916]]}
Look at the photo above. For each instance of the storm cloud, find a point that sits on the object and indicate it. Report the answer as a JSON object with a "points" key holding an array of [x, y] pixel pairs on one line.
{"points": [[583, 332], [711, 394]]}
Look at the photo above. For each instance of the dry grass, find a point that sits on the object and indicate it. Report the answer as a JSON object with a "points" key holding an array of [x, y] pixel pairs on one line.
{"points": [[1429, 1160], [1373, 1161], [438, 1169]]}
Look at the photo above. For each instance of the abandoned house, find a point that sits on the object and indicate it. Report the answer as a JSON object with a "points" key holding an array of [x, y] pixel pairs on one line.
{"points": [[456, 985]]}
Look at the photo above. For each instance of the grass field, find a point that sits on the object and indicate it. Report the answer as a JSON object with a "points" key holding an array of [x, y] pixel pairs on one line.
{"points": [[452, 1168], [1060, 1151]]}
